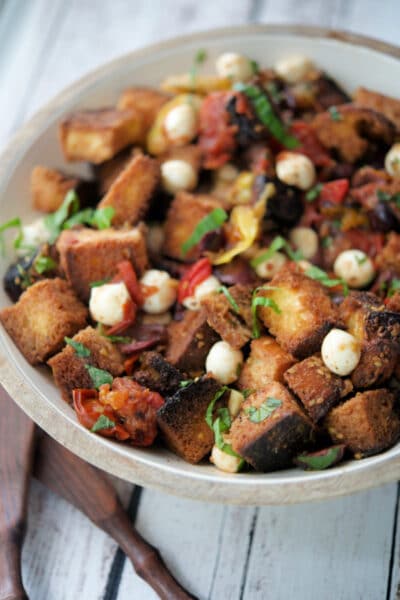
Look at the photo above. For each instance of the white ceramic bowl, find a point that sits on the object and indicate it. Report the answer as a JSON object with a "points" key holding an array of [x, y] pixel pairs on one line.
{"points": [[351, 60]]}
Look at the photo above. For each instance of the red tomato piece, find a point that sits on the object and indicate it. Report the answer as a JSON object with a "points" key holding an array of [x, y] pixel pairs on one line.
{"points": [[127, 321], [126, 273], [217, 135], [310, 144], [88, 409], [197, 273], [334, 191]]}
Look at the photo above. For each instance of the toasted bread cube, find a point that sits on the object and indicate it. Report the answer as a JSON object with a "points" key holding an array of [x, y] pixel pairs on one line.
{"points": [[49, 187], [389, 258], [306, 312], [98, 135], [189, 341], [130, 193], [144, 101], [182, 419], [267, 362], [87, 255], [185, 212], [317, 387], [45, 313], [233, 327], [270, 441], [69, 369], [157, 374], [393, 303], [390, 107], [377, 363], [191, 154], [107, 172], [366, 423]]}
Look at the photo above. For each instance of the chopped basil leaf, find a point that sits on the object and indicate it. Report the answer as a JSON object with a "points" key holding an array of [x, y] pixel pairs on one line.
{"points": [[83, 217], [199, 59], [98, 283], [185, 382], [316, 461], [326, 242], [100, 218], [102, 422], [255, 67], [334, 113], [362, 260], [323, 277], [16, 222], [44, 263], [265, 410], [210, 222], [247, 392], [278, 243], [25, 278], [80, 349], [394, 287], [314, 192], [54, 221], [386, 197], [210, 408], [261, 301], [265, 113], [118, 339], [224, 290], [99, 376]]}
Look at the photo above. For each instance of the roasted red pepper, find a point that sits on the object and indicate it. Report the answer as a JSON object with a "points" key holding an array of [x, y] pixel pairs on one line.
{"points": [[217, 135], [126, 273], [334, 192], [193, 276], [309, 144]]}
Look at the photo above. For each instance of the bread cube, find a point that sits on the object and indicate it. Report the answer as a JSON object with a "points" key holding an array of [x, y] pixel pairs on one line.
{"points": [[49, 187], [182, 419], [393, 303], [366, 423], [317, 387], [130, 193], [157, 374], [88, 255], [306, 312], [267, 362], [146, 102], [389, 258], [69, 369], [390, 107], [107, 172], [269, 439], [45, 313], [191, 154], [98, 135], [377, 363]]}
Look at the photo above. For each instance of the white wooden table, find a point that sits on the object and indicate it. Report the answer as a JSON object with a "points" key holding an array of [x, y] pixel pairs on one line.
{"points": [[343, 549]]}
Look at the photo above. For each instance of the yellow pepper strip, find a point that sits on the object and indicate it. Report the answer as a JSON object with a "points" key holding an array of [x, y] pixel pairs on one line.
{"points": [[200, 84]]}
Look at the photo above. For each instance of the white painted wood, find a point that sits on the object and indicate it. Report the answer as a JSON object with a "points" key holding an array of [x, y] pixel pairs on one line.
{"points": [[395, 567]]}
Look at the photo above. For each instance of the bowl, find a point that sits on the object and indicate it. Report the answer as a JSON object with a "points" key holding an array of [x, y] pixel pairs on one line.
{"points": [[352, 60]]}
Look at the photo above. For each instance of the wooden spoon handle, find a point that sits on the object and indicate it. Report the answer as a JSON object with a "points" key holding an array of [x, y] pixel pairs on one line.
{"points": [[16, 452]]}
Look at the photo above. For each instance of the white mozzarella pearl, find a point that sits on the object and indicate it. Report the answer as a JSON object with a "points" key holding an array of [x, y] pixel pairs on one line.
{"points": [[181, 124], [295, 169], [293, 68], [269, 268], [178, 175], [392, 161], [223, 461], [224, 362], [107, 302], [340, 352], [234, 66], [163, 296], [207, 286], [34, 234], [235, 402], [306, 240], [355, 268]]}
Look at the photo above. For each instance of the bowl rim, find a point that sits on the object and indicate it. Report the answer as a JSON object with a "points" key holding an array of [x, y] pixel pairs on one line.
{"points": [[234, 489]]}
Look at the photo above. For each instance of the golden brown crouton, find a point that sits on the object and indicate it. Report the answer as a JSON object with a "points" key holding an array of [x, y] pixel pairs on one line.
{"points": [[184, 214], [366, 423], [267, 362], [130, 193], [48, 188], [189, 341], [306, 312], [377, 363], [69, 369], [317, 387], [107, 172], [182, 419], [393, 303], [144, 101], [45, 313], [350, 129], [98, 135], [88, 255], [389, 257], [270, 429], [390, 107], [233, 327], [191, 154]]}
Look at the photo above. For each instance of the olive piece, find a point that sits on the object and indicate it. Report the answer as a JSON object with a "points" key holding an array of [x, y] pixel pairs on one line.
{"points": [[248, 129], [382, 218], [18, 277], [285, 207]]}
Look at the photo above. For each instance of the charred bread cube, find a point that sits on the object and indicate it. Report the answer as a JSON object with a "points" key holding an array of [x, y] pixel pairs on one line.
{"points": [[182, 419], [98, 135], [88, 255], [267, 362], [366, 423], [49, 187], [390, 107], [185, 212], [130, 193], [69, 369], [306, 312], [270, 429], [233, 327], [377, 363], [317, 387], [157, 374], [45, 313], [393, 303], [146, 102], [389, 257], [189, 342]]}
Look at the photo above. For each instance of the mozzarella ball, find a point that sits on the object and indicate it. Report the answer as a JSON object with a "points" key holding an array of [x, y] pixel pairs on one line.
{"points": [[34, 234], [181, 124], [223, 461], [161, 292], [340, 352], [227, 173], [178, 175], [392, 161], [155, 238], [224, 362], [295, 169], [306, 240], [107, 302], [234, 66], [235, 402], [269, 268], [207, 286], [355, 268], [293, 68]]}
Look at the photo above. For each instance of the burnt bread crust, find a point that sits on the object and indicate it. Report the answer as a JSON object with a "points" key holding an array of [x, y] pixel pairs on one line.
{"points": [[158, 374]]}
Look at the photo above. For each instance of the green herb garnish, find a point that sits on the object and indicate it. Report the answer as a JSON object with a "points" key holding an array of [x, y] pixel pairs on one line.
{"points": [[102, 422], [278, 243], [210, 222], [261, 301], [118, 339], [100, 218], [265, 410], [98, 283], [316, 461], [44, 263], [99, 376], [255, 67], [361, 260], [210, 408], [54, 222], [247, 392], [266, 114], [334, 113], [314, 192], [394, 287], [16, 222], [199, 58], [221, 424], [224, 290], [185, 382], [386, 197], [323, 277], [25, 278], [80, 349]]}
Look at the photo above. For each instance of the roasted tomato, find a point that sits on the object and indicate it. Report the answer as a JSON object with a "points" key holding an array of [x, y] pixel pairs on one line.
{"points": [[89, 410], [194, 275], [310, 144], [217, 134]]}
